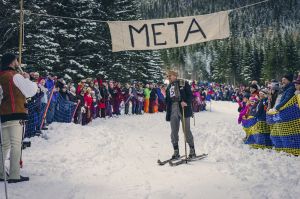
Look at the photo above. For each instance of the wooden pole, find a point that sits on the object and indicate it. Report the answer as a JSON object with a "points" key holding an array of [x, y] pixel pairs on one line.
{"points": [[21, 31], [184, 132]]}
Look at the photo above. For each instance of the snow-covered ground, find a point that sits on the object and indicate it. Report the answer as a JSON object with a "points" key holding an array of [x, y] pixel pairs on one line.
{"points": [[116, 158]]}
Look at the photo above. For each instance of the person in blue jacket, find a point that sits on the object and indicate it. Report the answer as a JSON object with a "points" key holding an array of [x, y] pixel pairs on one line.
{"points": [[288, 90], [51, 84], [262, 105]]}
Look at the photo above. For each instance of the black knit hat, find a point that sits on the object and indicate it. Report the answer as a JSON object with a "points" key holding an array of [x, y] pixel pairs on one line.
{"points": [[254, 86], [7, 59], [247, 95], [289, 77]]}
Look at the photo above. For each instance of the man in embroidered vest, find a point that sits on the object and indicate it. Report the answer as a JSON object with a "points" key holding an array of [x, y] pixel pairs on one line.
{"points": [[16, 88], [179, 96]]}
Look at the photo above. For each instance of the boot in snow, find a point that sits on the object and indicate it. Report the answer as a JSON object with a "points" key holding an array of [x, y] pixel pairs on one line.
{"points": [[192, 153], [176, 155]]}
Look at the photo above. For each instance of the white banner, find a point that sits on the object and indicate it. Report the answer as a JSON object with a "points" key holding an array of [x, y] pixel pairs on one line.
{"points": [[168, 33]]}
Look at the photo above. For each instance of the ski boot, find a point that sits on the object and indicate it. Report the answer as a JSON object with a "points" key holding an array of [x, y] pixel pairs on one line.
{"points": [[192, 153], [176, 155]]}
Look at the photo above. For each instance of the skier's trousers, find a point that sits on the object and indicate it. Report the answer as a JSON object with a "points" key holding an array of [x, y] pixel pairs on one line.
{"points": [[176, 118]]}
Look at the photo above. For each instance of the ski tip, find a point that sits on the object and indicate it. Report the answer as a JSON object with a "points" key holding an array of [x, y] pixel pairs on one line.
{"points": [[204, 154], [160, 163]]}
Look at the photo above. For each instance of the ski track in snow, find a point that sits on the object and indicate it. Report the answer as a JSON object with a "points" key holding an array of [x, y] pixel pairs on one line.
{"points": [[116, 158]]}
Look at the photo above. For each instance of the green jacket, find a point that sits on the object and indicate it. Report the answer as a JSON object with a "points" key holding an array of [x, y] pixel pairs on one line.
{"points": [[147, 92]]}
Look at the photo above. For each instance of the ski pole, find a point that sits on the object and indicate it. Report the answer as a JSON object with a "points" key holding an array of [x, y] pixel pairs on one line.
{"points": [[3, 161], [47, 107], [184, 132]]}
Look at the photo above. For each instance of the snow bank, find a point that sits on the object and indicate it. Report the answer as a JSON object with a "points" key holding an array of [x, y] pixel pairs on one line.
{"points": [[116, 158]]}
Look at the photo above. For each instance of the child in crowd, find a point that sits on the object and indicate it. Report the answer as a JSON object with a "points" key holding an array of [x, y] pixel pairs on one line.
{"points": [[244, 107]]}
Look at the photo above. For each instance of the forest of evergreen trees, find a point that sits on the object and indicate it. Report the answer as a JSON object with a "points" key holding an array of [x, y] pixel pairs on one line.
{"points": [[73, 48], [264, 42]]}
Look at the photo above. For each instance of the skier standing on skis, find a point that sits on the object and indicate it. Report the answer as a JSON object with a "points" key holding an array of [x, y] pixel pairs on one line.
{"points": [[178, 97]]}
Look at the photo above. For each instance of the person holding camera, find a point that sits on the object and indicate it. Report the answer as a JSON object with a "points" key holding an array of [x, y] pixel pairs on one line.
{"points": [[16, 88]]}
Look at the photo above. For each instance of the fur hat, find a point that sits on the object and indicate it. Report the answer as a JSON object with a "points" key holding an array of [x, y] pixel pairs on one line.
{"points": [[172, 72]]}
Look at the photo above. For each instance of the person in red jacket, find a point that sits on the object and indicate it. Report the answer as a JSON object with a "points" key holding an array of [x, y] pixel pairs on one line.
{"points": [[80, 86], [88, 102]]}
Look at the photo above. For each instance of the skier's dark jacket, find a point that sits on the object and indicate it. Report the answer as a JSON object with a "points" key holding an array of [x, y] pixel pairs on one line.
{"points": [[186, 96]]}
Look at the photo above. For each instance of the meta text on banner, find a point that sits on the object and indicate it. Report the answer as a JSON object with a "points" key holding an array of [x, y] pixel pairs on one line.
{"points": [[168, 33]]}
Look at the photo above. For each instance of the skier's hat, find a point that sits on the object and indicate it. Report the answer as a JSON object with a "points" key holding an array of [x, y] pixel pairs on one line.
{"points": [[172, 72]]}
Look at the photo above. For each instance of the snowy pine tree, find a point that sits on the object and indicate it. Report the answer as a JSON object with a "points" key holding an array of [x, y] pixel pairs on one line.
{"points": [[263, 26], [76, 48]]}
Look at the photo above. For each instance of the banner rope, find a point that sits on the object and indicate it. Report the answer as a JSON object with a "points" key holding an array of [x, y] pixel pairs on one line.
{"points": [[27, 12], [250, 5]]}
